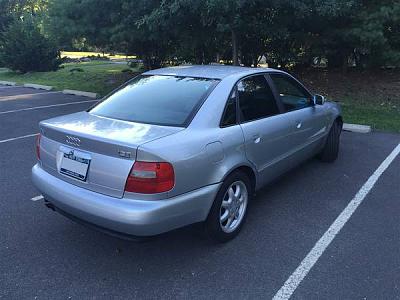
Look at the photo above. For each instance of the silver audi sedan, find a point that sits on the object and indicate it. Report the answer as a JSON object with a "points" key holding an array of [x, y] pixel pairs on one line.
{"points": [[182, 145]]}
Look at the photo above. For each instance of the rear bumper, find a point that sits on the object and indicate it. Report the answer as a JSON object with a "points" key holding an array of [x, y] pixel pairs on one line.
{"points": [[127, 216]]}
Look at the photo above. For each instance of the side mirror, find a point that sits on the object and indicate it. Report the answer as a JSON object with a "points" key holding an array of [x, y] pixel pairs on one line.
{"points": [[318, 100]]}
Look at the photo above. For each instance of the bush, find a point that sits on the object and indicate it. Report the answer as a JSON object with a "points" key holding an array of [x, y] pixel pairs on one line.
{"points": [[98, 57], [135, 64], [127, 70], [76, 70], [26, 49]]}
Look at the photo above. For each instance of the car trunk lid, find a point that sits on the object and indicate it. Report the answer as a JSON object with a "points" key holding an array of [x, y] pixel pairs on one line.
{"points": [[107, 146]]}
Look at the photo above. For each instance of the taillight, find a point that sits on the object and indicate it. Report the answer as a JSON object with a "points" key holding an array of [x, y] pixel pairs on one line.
{"points": [[150, 178], [38, 146]]}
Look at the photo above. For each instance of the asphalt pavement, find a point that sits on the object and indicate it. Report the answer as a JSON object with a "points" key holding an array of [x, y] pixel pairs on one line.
{"points": [[46, 256]]}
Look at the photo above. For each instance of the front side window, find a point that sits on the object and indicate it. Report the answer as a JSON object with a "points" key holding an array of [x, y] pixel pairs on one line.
{"points": [[293, 95], [256, 100], [161, 100]]}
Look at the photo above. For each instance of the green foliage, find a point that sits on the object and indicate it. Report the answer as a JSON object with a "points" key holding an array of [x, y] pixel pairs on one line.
{"points": [[287, 32], [377, 34], [24, 48], [78, 70], [99, 78], [84, 22], [127, 70]]}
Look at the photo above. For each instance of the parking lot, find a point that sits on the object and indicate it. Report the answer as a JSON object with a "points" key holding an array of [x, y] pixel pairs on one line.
{"points": [[46, 256]]}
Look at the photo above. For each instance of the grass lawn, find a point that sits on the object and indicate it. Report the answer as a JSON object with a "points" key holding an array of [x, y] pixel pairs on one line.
{"points": [[96, 76], [369, 98], [72, 54], [381, 118]]}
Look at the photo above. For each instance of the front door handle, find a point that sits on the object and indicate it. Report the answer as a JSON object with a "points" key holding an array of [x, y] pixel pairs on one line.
{"points": [[299, 124]]}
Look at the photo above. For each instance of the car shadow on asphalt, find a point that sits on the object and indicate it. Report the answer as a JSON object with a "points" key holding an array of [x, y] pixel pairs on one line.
{"points": [[306, 199], [194, 235]]}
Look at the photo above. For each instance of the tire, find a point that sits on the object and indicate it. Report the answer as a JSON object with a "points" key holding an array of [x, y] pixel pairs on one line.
{"points": [[230, 205], [330, 151]]}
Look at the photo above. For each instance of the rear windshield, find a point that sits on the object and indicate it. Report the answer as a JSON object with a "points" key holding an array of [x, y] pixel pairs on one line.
{"points": [[161, 100]]}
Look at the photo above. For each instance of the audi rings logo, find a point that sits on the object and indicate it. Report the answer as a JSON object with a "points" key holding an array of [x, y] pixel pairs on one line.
{"points": [[74, 141]]}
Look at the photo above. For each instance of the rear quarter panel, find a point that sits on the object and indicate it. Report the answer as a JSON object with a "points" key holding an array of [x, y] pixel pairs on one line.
{"points": [[200, 157]]}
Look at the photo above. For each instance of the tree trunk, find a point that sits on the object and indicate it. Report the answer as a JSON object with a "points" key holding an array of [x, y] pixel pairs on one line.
{"points": [[345, 64], [337, 61], [256, 60], [235, 56]]}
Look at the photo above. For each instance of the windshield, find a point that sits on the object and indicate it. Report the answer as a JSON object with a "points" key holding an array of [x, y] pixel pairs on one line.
{"points": [[161, 100]]}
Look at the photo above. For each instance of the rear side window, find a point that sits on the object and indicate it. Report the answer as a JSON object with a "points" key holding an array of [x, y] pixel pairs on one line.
{"points": [[292, 94], [256, 99], [229, 117], [161, 100]]}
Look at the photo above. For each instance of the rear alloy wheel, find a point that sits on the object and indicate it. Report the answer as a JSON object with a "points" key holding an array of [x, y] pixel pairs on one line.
{"points": [[228, 212], [330, 151]]}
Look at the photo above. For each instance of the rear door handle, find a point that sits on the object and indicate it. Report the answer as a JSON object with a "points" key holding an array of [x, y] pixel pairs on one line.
{"points": [[256, 139], [299, 124]]}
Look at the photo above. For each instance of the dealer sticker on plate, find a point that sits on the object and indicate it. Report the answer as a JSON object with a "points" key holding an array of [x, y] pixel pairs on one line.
{"points": [[74, 163]]}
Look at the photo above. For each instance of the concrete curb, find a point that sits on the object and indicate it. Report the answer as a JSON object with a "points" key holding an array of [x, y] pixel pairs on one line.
{"points": [[11, 83], [356, 128], [80, 93], [49, 88], [38, 86]]}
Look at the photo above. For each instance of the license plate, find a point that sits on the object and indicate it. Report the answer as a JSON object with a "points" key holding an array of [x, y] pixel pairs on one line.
{"points": [[74, 164]]}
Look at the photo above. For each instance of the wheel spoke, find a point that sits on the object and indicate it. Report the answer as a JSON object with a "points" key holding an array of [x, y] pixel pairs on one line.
{"points": [[238, 192], [230, 220], [225, 216], [225, 204], [231, 194]]}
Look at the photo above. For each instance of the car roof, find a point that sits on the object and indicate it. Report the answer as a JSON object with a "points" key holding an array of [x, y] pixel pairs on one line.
{"points": [[208, 71]]}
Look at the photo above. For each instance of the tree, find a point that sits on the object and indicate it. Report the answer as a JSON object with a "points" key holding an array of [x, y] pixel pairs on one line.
{"points": [[11, 9], [288, 32], [225, 16], [139, 36], [90, 20], [25, 48], [179, 25], [376, 34]]}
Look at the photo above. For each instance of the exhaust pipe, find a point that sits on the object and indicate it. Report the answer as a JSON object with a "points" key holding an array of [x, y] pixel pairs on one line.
{"points": [[49, 205]]}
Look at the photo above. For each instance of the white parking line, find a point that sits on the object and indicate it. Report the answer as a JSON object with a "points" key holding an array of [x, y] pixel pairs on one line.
{"points": [[45, 106], [18, 138], [37, 198], [287, 290]]}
